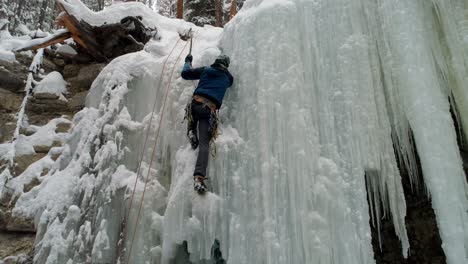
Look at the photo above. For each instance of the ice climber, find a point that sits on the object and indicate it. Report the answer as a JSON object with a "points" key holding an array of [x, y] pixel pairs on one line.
{"points": [[202, 111]]}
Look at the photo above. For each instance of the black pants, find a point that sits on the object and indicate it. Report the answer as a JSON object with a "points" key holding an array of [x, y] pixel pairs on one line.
{"points": [[202, 122]]}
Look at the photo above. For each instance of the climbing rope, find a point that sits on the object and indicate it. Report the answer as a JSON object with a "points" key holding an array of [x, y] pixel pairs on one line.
{"points": [[148, 128], [144, 144], [154, 146]]}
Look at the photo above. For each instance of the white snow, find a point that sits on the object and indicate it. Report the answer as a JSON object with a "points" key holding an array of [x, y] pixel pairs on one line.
{"points": [[324, 91], [53, 83], [66, 49], [7, 44], [112, 14], [6, 55], [24, 145], [25, 30], [39, 37]]}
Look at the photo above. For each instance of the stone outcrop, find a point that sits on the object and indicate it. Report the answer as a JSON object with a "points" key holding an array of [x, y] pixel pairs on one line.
{"points": [[23, 162], [17, 234], [80, 78], [14, 76]]}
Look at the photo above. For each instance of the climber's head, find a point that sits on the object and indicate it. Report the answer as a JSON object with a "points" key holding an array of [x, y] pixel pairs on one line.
{"points": [[223, 60]]}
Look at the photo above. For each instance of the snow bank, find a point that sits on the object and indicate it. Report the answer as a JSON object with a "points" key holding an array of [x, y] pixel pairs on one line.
{"points": [[9, 43]]}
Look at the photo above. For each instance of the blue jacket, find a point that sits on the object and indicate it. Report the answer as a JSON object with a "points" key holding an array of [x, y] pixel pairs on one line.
{"points": [[214, 81]]}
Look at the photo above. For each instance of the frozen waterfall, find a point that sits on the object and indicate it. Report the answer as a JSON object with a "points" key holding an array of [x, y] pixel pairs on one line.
{"points": [[326, 94]]}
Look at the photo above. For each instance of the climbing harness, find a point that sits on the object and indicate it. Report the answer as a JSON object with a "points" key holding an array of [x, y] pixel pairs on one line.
{"points": [[154, 146], [213, 120], [206, 103]]}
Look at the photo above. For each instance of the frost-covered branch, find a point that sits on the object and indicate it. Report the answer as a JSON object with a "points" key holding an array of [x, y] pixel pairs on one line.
{"points": [[49, 40]]}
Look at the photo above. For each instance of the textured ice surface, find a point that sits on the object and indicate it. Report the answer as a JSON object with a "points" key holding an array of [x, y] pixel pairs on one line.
{"points": [[324, 91]]}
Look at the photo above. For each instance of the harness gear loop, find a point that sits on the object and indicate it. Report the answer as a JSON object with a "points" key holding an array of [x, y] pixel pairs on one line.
{"points": [[214, 123]]}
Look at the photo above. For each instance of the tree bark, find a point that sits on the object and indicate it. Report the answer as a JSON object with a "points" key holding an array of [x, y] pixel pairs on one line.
{"points": [[45, 4], [100, 4], [218, 13], [180, 9], [233, 10]]}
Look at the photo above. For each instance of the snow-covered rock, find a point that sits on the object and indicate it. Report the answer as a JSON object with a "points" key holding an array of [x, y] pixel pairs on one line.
{"points": [[53, 83], [66, 50]]}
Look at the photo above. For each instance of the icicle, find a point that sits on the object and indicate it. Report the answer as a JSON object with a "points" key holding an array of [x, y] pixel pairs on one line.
{"points": [[419, 89]]}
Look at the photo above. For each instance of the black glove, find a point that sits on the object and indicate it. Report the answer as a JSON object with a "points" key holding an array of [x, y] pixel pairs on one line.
{"points": [[189, 58]]}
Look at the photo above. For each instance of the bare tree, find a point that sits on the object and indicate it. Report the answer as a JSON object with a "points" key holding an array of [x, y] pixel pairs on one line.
{"points": [[45, 5], [167, 8], [100, 4], [19, 9], [233, 10], [218, 13], [180, 8]]}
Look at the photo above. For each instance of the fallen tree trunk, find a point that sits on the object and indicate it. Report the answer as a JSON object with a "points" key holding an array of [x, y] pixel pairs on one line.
{"points": [[109, 40], [38, 43], [99, 43]]}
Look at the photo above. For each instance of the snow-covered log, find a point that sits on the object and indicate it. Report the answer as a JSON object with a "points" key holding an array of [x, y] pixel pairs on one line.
{"points": [[107, 40], [99, 35], [49, 40]]}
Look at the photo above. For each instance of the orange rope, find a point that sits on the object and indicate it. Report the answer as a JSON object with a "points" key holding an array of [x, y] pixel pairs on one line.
{"points": [[146, 141], [148, 128], [153, 153]]}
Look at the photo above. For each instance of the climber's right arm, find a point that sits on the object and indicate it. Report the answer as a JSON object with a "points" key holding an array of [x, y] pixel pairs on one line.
{"points": [[188, 73]]}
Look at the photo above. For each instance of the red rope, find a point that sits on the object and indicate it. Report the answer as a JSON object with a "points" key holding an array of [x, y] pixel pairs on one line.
{"points": [[148, 128], [152, 154], [144, 144]]}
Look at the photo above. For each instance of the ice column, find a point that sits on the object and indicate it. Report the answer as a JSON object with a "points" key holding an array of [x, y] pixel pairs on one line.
{"points": [[414, 68], [310, 107]]}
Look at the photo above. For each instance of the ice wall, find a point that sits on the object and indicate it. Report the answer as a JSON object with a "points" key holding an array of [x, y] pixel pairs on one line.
{"points": [[323, 92], [322, 88], [311, 109], [425, 76]]}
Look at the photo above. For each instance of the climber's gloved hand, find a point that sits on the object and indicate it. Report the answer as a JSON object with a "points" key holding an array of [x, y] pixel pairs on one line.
{"points": [[189, 58]]}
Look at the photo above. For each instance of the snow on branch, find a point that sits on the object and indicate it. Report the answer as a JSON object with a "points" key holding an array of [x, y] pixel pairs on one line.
{"points": [[52, 39]]}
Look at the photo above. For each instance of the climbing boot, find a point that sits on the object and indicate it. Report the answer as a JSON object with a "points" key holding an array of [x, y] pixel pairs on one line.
{"points": [[193, 139], [199, 184]]}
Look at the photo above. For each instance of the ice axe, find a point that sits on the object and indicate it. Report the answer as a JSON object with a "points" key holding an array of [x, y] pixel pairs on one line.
{"points": [[186, 36]]}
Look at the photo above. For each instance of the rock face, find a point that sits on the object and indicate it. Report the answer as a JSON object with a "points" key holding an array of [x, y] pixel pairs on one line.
{"points": [[17, 234], [423, 233], [15, 244], [80, 78], [12, 81], [23, 162], [14, 76]]}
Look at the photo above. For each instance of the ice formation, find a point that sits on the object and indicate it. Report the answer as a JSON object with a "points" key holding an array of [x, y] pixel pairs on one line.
{"points": [[324, 91]]}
